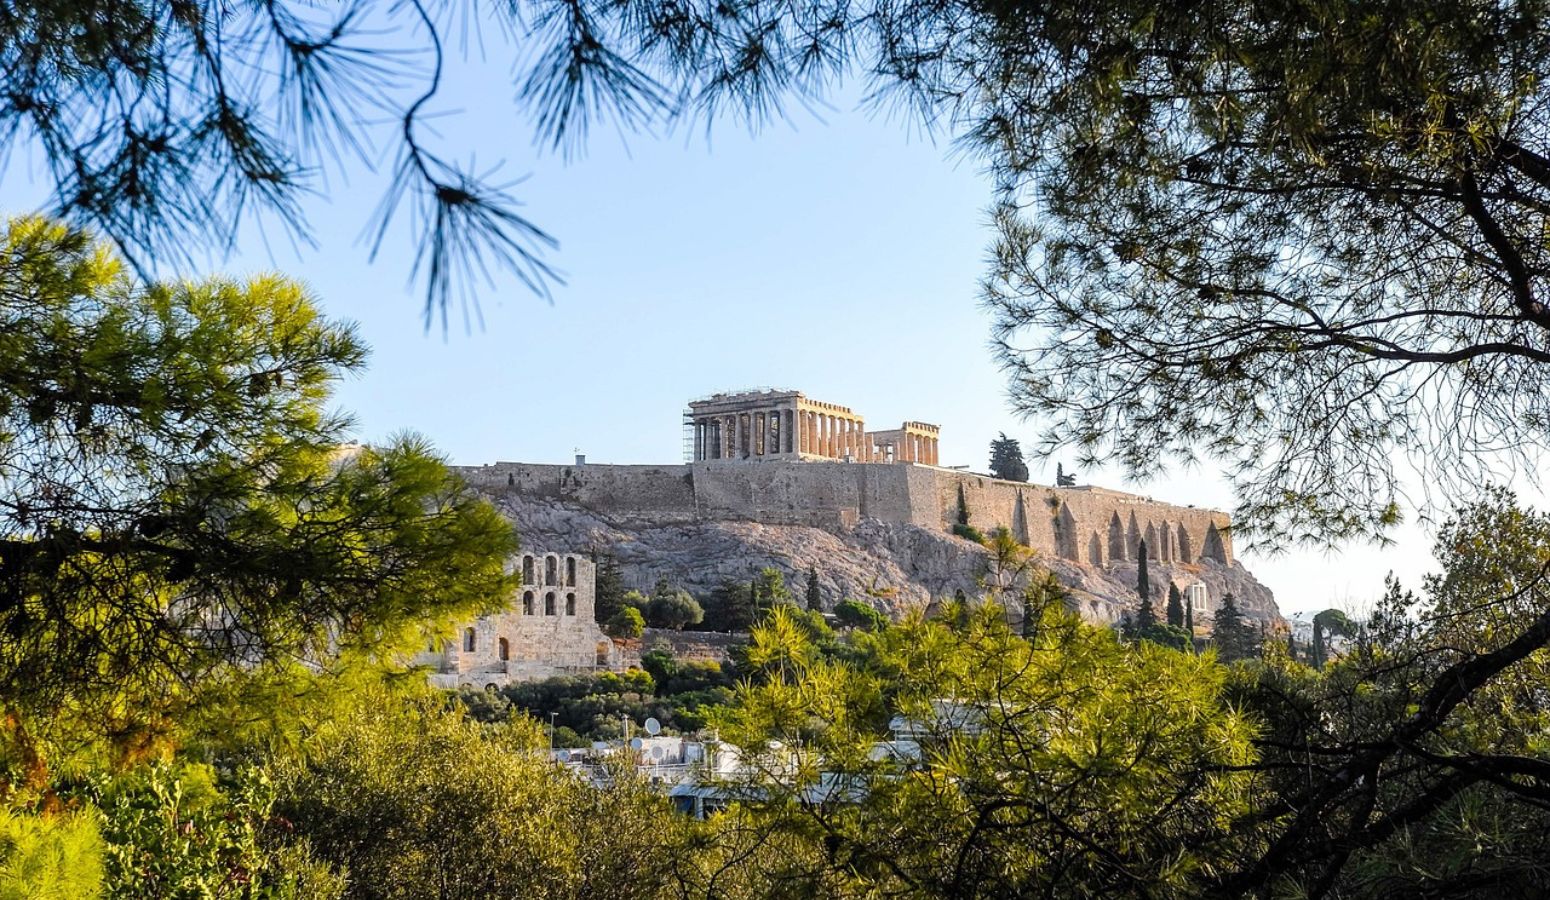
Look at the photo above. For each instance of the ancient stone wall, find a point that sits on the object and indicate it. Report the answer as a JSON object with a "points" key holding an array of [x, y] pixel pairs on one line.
{"points": [[548, 629], [1085, 524]]}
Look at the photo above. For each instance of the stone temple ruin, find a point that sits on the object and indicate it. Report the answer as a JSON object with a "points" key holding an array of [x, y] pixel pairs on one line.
{"points": [[549, 629], [779, 458], [789, 425]]}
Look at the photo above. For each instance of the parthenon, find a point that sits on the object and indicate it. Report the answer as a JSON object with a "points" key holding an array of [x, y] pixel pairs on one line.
{"points": [[788, 425]]}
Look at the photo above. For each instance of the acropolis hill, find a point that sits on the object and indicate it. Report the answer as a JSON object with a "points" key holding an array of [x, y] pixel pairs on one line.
{"points": [[775, 478]]}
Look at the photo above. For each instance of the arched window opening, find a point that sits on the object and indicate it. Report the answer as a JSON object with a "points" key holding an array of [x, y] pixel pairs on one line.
{"points": [[527, 570], [468, 640], [527, 603], [551, 570], [570, 571], [505, 650], [570, 604], [549, 604]]}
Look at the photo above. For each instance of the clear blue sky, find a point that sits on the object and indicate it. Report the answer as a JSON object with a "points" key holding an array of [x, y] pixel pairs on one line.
{"points": [[838, 256]]}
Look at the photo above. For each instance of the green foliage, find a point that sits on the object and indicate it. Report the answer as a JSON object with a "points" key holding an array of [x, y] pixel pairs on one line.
{"points": [[1009, 565], [682, 695], [208, 514], [1146, 615], [769, 588], [173, 831], [963, 510], [855, 614], [659, 664], [626, 623], [53, 857], [730, 607], [813, 594], [1232, 636], [1006, 459], [970, 533], [608, 587], [1040, 595], [1175, 606], [1325, 130], [1110, 741], [416, 801], [1431, 703], [1172, 636], [671, 608]]}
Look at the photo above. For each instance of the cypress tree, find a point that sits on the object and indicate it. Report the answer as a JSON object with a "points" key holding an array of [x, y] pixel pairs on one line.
{"points": [[814, 595], [1291, 645], [1318, 644], [1175, 606], [1146, 617], [608, 588]]}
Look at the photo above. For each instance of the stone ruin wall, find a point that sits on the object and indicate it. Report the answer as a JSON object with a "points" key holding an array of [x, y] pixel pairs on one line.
{"points": [[547, 629], [1089, 525]]}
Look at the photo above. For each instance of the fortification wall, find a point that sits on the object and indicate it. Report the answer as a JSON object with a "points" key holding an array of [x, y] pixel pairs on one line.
{"points": [[1087, 524], [658, 493]]}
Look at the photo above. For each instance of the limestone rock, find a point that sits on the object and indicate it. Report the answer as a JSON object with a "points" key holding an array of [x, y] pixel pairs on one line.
{"points": [[897, 567]]}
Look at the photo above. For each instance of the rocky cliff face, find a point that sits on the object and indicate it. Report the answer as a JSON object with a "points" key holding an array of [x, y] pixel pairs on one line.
{"points": [[896, 567]]}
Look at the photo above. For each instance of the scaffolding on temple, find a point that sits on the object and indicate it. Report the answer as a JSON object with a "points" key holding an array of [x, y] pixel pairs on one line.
{"points": [[688, 435]]}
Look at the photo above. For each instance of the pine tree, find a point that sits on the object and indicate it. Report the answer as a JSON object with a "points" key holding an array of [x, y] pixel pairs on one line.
{"points": [[1234, 638], [1039, 596], [1146, 617], [1175, 606], [1006, 459], [814, 595]]}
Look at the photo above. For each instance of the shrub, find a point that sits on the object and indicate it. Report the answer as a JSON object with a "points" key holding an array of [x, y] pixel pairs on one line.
{"points": [[626, 623], [49, 857], [674, 609], [969, 532], [855, 614]]}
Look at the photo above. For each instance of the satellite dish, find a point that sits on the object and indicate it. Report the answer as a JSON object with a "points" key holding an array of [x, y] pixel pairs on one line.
{"points": [[636, 743], [653, 727], [658, 753]]}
